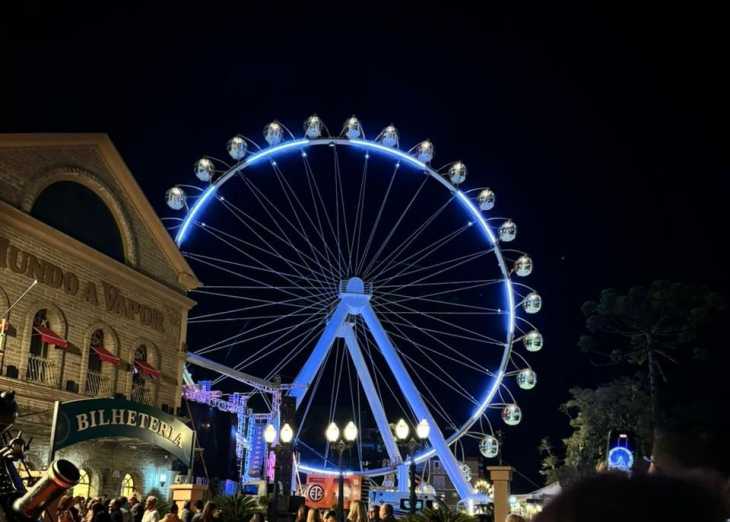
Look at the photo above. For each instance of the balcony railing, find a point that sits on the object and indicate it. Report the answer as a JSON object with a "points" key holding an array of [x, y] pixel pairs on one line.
{"points": [[141, 393], [41, 371], [97, 385]]}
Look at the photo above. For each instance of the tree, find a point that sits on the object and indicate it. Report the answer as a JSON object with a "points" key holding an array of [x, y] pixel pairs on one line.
{"points": [[649, 326], [623, 404]]}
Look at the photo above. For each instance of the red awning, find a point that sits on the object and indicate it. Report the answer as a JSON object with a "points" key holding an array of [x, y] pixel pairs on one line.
{"points": [[50, 337], [105, 355], [147, 369]]}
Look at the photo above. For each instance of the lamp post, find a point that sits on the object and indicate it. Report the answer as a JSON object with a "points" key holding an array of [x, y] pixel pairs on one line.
{"points": [[286, 435], [340, 445], [401, 432]]}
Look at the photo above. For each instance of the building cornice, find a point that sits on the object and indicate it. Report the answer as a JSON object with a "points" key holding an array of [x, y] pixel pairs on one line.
{"points": [[31, 227], [101, 142]]}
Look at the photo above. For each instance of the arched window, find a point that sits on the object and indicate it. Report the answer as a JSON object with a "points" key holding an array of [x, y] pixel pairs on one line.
{"points": [[40, 369], [37, 346], [127, 486], [140, 354], [78, 211], [97, 340], [83, 488]]}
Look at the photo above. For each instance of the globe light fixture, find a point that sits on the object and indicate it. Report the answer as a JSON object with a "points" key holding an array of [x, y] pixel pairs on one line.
{"points": [[333, 432], [287, 434], [423, 429], [269, 434], [402, 430], [350, 431]]}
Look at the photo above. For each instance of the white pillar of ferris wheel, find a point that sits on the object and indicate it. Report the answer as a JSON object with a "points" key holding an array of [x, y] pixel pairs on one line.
{"points": [[376, 406], [310, 368], [407, 386]]}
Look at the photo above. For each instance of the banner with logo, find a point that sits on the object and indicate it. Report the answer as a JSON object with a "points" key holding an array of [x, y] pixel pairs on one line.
{"points": [[88, 419]]}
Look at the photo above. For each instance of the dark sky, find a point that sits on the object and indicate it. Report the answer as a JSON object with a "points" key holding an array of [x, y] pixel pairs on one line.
{"points": [[607, 125]]}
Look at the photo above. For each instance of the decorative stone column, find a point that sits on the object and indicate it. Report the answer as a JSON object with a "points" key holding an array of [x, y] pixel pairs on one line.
{"points": [[501, 477]]}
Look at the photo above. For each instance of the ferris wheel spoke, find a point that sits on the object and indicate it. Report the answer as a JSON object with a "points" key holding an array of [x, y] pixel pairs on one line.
{"points": [[230, 238], [423, 253], [406, 410], [263, 303], [284, 185], [248, 318], [480, 338], [377, 221], [258, 195], [240, 215], [314, 187], [357, 228], [289, 278], [395, 227], [296, 350], [340, 206], [285, 329], [468, 363], [483, 309], [313, 391], [450, 264], [391, 258], [456, 386], [433, 403], [467, 285]]}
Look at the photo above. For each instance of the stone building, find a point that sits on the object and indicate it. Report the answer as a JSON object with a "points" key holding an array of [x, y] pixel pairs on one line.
{"points": [[107, 317]]}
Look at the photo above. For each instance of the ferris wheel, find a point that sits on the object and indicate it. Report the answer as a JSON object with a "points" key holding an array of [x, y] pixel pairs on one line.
{"points": [[369, 280]]}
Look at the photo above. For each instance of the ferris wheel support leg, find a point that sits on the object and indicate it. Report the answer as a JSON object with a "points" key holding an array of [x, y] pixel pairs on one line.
{"points": [[306, 375], [407, 386], [376, 406]]}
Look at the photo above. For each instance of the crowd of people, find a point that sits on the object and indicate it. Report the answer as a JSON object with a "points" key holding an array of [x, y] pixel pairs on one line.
{"points": [[121, 509], [357, 513]]}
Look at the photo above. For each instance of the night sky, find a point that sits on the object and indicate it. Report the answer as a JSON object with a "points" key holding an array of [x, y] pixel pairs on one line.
{"points": [[605, 127]]}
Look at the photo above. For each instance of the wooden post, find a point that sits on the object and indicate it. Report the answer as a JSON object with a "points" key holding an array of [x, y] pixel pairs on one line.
{"points": [[501, 478]]}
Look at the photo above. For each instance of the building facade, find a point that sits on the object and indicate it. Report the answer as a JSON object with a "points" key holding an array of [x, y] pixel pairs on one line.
{"points": [[107, 316]]}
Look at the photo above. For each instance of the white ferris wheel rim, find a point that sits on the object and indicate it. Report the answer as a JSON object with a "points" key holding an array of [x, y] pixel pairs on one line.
{"points": [[466, 203]]}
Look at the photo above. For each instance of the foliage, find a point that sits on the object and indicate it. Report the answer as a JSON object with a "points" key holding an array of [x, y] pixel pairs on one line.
{"points": [[649, 326], [623, 404], [662, 318], [445, 516], [238, 508]]}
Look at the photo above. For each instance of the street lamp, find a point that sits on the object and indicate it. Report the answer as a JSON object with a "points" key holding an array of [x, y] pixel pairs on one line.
{"points": [[286, 435], [336, 443], [401, 432]]}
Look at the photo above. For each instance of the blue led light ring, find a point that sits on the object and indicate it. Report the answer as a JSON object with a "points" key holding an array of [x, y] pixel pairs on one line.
{"points": [[467, 203]]}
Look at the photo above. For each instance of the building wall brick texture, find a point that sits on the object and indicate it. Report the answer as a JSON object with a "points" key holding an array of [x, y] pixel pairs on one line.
{"points": [[23, 171]]}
